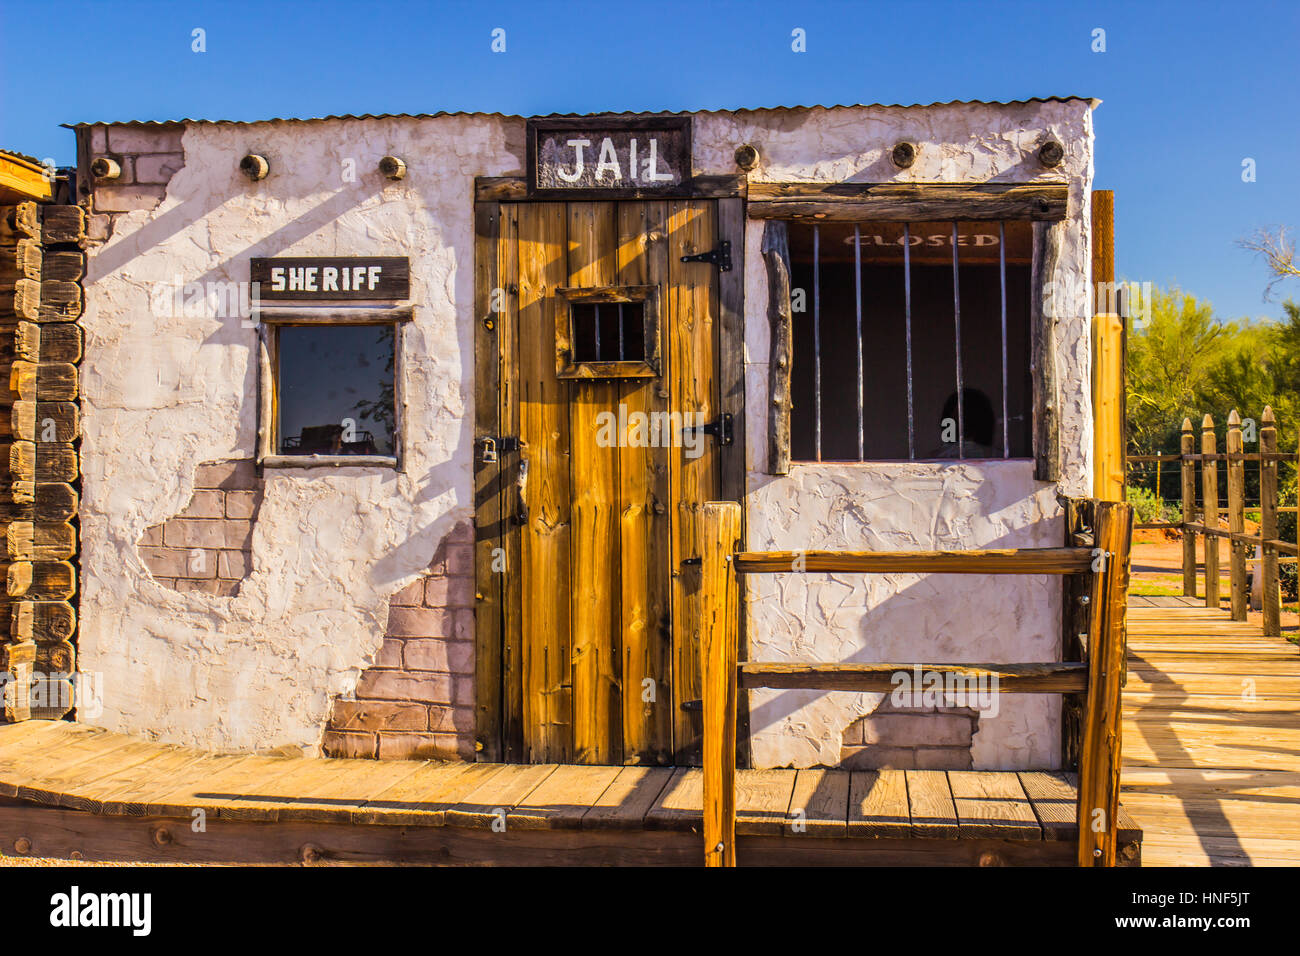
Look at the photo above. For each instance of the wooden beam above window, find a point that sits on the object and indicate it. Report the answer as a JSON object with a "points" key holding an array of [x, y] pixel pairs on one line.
{"points": [[908, 202]]}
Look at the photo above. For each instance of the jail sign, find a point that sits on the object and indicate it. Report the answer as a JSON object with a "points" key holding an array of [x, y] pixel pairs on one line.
{"points": [[607, 158], [341, 277]]}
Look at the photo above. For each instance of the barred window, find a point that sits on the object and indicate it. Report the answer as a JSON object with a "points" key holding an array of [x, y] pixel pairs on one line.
{"points": [[911, 341]]}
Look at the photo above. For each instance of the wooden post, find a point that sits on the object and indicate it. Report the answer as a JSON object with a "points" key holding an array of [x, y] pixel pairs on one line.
{"points": [[1210, 511], [1236, 517], [1107, 356], [719, 599], [1271, 598], [1099, 756], [1187, 449]]}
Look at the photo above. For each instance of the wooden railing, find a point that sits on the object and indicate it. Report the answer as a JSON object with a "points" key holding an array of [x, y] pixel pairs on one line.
{"points": [[1099, 558], [1211, 523]]}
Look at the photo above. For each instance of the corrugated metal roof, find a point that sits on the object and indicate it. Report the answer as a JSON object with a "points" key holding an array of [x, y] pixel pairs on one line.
{"points": [[1092, 101], [22, 156]]}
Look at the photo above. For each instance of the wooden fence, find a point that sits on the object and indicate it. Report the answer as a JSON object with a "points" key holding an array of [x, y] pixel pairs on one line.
{"points": [[1091, 674], [1210, 521]]}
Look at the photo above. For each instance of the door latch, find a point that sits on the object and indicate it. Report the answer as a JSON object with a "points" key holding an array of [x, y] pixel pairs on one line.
{"points": [[492, 447], [720, 428], [720, 257]]}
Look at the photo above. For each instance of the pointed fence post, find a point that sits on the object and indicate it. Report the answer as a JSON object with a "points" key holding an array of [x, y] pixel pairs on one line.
{"points": [[719, 533], [1210, 510], [1187, 448], [1271, 599], [1236, 516]]}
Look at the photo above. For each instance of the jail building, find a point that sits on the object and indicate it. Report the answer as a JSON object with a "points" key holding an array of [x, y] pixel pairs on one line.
{"points": [[396, 432]]}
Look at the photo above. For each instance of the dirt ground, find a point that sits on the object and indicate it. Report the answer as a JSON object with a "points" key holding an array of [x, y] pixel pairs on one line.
{"points": [[1157, 568]]}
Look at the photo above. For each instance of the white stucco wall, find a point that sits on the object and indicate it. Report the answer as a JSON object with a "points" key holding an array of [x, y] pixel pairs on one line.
{"points": [[899, 618], [162, 394]]}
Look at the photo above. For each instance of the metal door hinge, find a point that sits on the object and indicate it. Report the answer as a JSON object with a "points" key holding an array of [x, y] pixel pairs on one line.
{"points": [[720, 257], [492, 446], [720, 428]]}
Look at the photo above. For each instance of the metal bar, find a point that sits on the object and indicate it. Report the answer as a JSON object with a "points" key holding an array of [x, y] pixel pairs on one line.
{"points": [[620, 331], [956, 317], [857, 286], [1002, 266], [599, 357], [907, 318], [817, 342]]}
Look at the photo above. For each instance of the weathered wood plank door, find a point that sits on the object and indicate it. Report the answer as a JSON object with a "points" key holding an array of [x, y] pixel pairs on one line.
{"points": [[596, 510]]}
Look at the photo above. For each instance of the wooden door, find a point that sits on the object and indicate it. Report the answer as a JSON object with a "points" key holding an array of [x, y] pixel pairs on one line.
{"points": [[598, 643]]}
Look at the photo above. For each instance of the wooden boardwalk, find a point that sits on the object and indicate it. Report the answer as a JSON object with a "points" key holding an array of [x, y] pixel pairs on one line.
{"points": [[1211, 738], [68, 789]]}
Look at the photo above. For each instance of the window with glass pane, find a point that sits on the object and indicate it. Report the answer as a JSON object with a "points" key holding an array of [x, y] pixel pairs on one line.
{"points": [[336, 390], [911, 341]]}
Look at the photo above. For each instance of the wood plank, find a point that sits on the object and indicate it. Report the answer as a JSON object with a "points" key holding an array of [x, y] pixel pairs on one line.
{"points": [[992, 805], [878, 804], [719, 600], [1047, 678], [546, 560], [489, 526], [423, 798], [819, 804], [929, 799], [628, 799], [645, 526], [488, 804], [594, 516], [763, 801], [562, 800], [1055, 800], [96, 779], [127, 793], [334, 790], [512, 493], [690, 321], [986, 561], [225, 793], [680, 805], [907, 202]]}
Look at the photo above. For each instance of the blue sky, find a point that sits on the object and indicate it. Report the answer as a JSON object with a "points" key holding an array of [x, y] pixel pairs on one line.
{"points": [[1190, 89]]}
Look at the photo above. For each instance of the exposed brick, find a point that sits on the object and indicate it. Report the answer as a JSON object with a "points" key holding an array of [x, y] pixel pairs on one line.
{"points": [[451, 720], [164, 562], [227, 475], [234, 564], [344, 744], [227, 588], [127, 198], [158, 167], [99, 228], [152, 537], [396, 685], [852, 736], [943, 758], [150, 139], [877, 758], [420, 622], [372, 715], [98, 139], [410, 596], [460, 559], [211, 586], [463, 691], [205, 504], [194, 533], [242, 504], [399, 746], [463, 533], [449, 657], [449, 592], [390, 653], [239, 534]]}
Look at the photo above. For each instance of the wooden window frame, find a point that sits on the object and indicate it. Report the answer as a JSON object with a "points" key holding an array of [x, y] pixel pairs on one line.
{"points": [[269, 322], [566, 298], [1045, 205]]}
